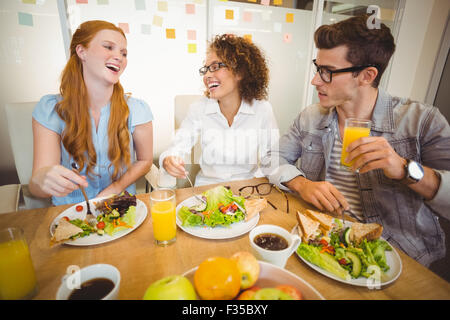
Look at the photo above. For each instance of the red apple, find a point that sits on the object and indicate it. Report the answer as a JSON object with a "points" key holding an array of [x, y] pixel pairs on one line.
{"points": [[248, 294], [248, 268], [290, 290]]}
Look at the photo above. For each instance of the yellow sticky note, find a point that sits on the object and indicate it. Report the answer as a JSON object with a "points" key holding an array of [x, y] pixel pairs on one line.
{"points": [[251, 0], [192, 48], [248, 37], [157, 21], [277, 2], [162, 6], [170, 33], [289, 17], [229, 14]]}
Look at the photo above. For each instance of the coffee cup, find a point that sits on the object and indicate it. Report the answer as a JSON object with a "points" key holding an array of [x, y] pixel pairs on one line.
{"points": [[94, 282], [275, 244]]}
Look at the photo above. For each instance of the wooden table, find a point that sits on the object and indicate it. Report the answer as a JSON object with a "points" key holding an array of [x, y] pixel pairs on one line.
{"points": [[141, 262]]}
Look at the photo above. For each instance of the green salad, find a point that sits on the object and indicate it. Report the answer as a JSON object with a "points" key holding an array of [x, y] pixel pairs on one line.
{"points": [[344, 258], [220, 209]]}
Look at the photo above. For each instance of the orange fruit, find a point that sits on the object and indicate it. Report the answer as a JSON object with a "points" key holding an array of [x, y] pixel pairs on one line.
{"points": [[217, 278]]}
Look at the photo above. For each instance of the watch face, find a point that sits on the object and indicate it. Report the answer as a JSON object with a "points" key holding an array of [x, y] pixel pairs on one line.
{"points": [[415, 170]]}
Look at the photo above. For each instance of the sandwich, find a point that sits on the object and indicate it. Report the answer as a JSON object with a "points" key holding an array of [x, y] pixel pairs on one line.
{"points": [[325, 221], [307, 227], [64, 231], [253, 206], [368, 231]]}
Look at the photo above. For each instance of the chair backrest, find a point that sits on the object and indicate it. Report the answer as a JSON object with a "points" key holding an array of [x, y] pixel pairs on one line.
{"points": [[19, 116], [9, 195], [182, 103]]}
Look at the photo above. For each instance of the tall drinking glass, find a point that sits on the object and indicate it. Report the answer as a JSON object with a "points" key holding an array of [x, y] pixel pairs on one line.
{"points": [[353, 130], [17, 276], [162, 207]]}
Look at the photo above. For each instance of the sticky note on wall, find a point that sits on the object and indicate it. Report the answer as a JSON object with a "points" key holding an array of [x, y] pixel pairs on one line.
{"points": [[190, 8], [247, 16], [25, 19], [192, 48], [289, 17], [29, 1], [277, 2], [157, 21], [248, 37], [170, 34], [162, 6], [102, 2], [139, 4], [229, 14], [82, 1], [192, 35], [265, 2]]}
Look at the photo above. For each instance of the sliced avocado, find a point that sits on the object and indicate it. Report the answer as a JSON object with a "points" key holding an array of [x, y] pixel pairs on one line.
{"points": [[356, 262], [347, 236]]}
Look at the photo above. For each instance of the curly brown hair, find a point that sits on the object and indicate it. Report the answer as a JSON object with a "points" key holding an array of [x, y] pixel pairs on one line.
{"points": [[245, 59], [365, 46]]}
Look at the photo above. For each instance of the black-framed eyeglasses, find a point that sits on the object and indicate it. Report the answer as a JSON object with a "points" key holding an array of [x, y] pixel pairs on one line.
{"points": [[327, 75], [213, 67], [262, 189]]}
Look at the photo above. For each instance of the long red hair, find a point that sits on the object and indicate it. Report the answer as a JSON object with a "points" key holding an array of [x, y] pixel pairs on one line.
{"points": [[74, 109]]}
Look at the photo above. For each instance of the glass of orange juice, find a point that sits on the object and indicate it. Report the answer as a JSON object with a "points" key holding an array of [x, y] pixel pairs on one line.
{"points": [[17, 276], [353, 130], [162, 208]]}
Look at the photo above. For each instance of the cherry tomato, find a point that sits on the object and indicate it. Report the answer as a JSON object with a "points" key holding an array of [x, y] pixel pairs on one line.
{"points": [[100, 225], [234, 207], [342, 261], [66, 218], [79, 208], [324, 242]]}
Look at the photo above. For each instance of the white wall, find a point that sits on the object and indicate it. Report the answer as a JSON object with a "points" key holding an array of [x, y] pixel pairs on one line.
{"points": [[417, 46], [31, 61]]}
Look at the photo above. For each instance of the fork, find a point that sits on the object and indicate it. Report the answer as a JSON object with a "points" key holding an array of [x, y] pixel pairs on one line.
{"points": [[192, 186], [75, 169]]}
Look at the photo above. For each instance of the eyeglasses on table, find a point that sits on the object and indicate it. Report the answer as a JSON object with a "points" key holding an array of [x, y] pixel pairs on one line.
{"points": [[262, 189]]}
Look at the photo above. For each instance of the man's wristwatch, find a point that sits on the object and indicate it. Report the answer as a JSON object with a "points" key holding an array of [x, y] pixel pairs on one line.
{"points": [[413, 172]]}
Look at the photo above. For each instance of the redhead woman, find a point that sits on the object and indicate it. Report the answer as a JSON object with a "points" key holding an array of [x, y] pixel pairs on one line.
{"points": [[91, 125], [234, 122]]}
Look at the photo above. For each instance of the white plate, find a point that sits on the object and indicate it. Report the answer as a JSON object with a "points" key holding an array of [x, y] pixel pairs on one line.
{"points": [[220, 232], [271, 275], [93, 239], [392, 258]]}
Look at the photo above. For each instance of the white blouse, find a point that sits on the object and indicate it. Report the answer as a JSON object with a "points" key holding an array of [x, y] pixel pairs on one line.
{"points": [[227, 152]]}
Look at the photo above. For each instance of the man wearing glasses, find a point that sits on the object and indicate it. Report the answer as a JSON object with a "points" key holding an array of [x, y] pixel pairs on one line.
{"points": [[400, 177]]}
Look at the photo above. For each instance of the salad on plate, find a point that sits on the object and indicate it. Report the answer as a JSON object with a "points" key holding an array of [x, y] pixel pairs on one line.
{"points": [[221, 208], [111, 215], [346, 252]]}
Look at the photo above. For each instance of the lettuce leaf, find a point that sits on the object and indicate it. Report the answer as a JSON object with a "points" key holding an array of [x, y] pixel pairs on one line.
{"points": [[128, 218]]}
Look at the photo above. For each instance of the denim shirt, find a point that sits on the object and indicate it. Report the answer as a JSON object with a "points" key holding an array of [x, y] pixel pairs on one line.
{"points": [[416, 131]]}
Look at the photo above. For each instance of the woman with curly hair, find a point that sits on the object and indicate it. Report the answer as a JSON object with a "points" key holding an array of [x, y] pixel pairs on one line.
{"points": [[91, 125], [233, 122]]}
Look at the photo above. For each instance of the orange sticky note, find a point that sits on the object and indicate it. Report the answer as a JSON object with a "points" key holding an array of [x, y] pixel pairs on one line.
{"points": [[289, 17], [248, 37], [192, 48], [170, 33], [229, 14]]}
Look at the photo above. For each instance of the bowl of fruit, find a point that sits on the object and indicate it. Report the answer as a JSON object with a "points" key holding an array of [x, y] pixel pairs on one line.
{"points": [[240, 277]]}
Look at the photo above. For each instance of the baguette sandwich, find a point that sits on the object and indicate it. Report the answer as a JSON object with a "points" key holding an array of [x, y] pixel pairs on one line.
{"points": [[307, 227]]}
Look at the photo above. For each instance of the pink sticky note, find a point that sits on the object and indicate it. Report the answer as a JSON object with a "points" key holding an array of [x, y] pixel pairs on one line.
{"points": [[287, 37], [247, 16], [265, 2], [190, 8], [125, 27], [192, 35], [82, 1]]}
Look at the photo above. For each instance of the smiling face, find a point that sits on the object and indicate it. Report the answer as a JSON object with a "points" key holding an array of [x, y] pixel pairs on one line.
{"points": [[105, 59], [221, 84], [343, 87]]}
